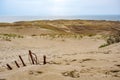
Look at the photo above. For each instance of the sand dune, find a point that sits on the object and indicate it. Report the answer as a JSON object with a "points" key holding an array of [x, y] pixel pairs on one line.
{"points": [[71, 47], [71, 59]]}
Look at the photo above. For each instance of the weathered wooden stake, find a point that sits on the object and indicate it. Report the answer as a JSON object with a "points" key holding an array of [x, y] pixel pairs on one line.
{"points": [[9, 67], [35, 58], [44, 59], [30, 53], [22, 61], [17, 64]]}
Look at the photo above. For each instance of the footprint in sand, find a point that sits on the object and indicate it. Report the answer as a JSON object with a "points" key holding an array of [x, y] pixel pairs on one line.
{"points": [[114, 72], [118, 65], [87, 59], [73, 74], [35, 72]]}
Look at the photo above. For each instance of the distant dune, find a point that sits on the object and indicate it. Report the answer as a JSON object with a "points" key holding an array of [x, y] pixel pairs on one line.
{"points": [[60, 27]]}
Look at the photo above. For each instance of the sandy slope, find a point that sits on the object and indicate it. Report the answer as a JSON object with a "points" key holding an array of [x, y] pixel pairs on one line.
{"points": [[68, 59]]}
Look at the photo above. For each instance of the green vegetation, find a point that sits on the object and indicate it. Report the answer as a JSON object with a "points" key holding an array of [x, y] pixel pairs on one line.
{"points": [[111, 40], [8, 37], [53, 36]]}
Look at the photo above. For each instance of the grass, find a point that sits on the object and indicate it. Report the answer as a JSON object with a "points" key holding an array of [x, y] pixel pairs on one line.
{"points": [[51, 28], [111, 40], [66, 29], [66, 35], [8, 37]]}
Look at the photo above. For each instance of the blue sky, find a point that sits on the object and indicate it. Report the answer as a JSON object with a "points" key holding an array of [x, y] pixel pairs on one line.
{"points": [[59, 7]]}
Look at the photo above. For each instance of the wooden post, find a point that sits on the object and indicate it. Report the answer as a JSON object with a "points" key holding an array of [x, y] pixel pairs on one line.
{"points": [[22, 60], [17, 64], [30, 53], [44, 59], [9, 67]]}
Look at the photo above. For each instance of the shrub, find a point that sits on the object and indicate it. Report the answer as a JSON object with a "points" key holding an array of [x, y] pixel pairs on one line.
{"points": [[111, 40]]}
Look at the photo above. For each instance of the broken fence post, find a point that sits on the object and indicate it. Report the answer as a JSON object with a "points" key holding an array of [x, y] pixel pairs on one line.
{"points": [[35, 58], [44, 59], [22, 61], [9, 67], [17, 64], [30, 53]]}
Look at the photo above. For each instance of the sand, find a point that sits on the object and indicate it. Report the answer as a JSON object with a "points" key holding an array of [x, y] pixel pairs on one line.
{"points": [[67, 59]]}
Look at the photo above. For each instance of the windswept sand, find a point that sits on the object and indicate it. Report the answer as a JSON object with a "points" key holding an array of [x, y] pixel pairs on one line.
{"points": [[68, 59]]}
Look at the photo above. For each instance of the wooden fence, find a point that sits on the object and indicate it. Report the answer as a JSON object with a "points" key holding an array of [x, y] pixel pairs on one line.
{"points": [[33, 60]]}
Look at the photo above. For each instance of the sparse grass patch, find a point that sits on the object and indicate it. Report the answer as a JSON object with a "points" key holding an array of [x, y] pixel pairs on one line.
{"points": [[8, 37], [46, 26], [111, 40], [59, 35], [19, 27]]}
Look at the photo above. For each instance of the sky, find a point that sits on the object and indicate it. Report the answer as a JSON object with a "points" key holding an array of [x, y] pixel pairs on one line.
{"points": [[59, 7]]}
